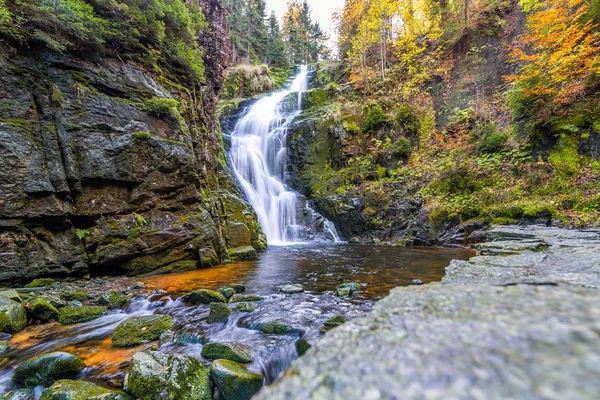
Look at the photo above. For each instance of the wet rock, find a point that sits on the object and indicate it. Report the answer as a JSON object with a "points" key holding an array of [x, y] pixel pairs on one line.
{"points": [[242, 253], [276, 327], [203, 296], [166, 337], [3, 346], [417, 282], [40, 282], [229, 351], [47, 368], [335, 321], [11, 294], [227, 292], [55, 301], [302, 346], [354, 240], [75, 295], [40, 309], [509, 247], [237, 287], [13, 316], [234, 381], [137, 330], [219, 312], [66, 389], [137, 286], [21, 394], [246, 307], [344, 292], [155, 375], [290, 289], [240, 298], [354, 286], [72, 315], [113, 299], [75, 303]]}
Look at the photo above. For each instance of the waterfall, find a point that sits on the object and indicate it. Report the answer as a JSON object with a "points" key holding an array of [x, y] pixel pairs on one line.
{"points": [[259, 156]]}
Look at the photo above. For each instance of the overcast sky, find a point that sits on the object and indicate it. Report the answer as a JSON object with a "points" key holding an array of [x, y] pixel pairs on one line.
{"points": [[321, 11]]}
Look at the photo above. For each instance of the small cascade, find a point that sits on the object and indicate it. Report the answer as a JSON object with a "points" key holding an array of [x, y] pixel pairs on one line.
{"points": [[259, 156]]}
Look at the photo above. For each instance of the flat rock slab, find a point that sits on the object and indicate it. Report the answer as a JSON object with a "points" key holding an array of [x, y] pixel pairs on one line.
{"points": [[520, 326]]}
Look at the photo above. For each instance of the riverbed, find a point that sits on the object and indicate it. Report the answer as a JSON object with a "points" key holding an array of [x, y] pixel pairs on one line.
{"points": [[320, 268]]}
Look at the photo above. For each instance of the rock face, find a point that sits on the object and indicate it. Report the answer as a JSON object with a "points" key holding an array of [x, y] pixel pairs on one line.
{"points": [[522, 326], [100, 182], [80, 390], [47, 368], [137, 330], [154, 375]]}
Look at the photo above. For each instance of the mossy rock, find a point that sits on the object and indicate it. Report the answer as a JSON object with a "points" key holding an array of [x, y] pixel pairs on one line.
{"points": [[302, 346], [40, 282], [203, 296], [354, 286], [291, 289], [335, 321], [227, 292], [276, 328], [75, 295], [242, 253], [47, 368], [234, 381], [229, 351], [237, 287], [219, 312], [41, 309], [344, 292], [246, 307], [244, 298], [113, 299], [137, 330], [11, 294], [66, 389], [154, 375], [72, 315], [13, 316]]}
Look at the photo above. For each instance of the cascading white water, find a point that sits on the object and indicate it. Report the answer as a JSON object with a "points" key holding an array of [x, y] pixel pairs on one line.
{"points": [[259, 155]]}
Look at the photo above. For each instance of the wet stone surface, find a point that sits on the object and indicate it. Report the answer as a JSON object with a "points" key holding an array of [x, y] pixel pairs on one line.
{"points": [[520, 326]]}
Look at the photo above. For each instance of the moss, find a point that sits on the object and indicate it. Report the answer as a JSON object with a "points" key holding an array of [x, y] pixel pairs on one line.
{"points": [[376, 118], [246, 307], [203, 296], [41, 309], [142, 136], [275, 328], [40, 282], [75, 295], [492, 143], [137, 330], [228, 351], [73, 315], [219, 313], [57, 98], [113, 299], [65, 389], [45, 369], [234, 380], [242, 298], [13, 316], [335, 321], [504, 221], [161, 106]]}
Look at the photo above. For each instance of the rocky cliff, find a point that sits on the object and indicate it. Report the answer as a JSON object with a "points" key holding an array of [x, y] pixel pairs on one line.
{"points": [[109, 168]]}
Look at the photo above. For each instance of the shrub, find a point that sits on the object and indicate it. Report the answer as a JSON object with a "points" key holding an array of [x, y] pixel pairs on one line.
{"points": [[492, 143], [375, 119], [400, 148], [455, 180], [406, 121]]}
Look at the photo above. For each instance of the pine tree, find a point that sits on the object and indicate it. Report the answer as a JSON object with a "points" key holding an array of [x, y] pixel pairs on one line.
{"points": [[276, 50]]}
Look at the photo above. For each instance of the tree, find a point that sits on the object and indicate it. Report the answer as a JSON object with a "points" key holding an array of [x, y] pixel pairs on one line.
{"points": [[304, 39], [276, 51]]}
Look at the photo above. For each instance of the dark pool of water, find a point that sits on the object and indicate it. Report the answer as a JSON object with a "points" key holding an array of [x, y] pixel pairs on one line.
{"points": [[320, 268]]}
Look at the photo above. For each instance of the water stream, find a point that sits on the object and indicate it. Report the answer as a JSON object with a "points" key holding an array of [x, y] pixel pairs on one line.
{"points": [[320, 267], [258, 158]]}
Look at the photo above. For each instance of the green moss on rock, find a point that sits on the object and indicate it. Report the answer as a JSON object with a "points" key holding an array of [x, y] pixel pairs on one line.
{"points": [[137, 330], [155, 375], [335, 321], [41, 309], [203, 296], [113, 299], [47, 368], [219, 312], [66, 389], [73, 315], [75, 295], [229, 351], [275, 328], [243, 298], [13, 316], [40, 282], [246, 307], [234, 381]]}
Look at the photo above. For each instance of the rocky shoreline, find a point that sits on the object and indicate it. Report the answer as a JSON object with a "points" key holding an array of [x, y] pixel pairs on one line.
{"points": [[520, 320]]}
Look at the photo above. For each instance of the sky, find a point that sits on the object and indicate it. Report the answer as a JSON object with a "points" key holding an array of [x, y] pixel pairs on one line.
{"points": [[321, 12]]}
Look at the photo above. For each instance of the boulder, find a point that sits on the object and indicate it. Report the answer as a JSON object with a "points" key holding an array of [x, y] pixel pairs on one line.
{"points": [[41, 309], [13, 316], [75, 295], [227, 292], [112, 299], [234, 381], [276, 327], [11, 294], [203, 296], [66, 389], [72, 315], [154, 375], [237, 287], [40, 282], [219, 312], [246, 307], [239, 298], [354, 286], [229, 351], [137, 330], [47, 368], [344, 292], [290, 289]]}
